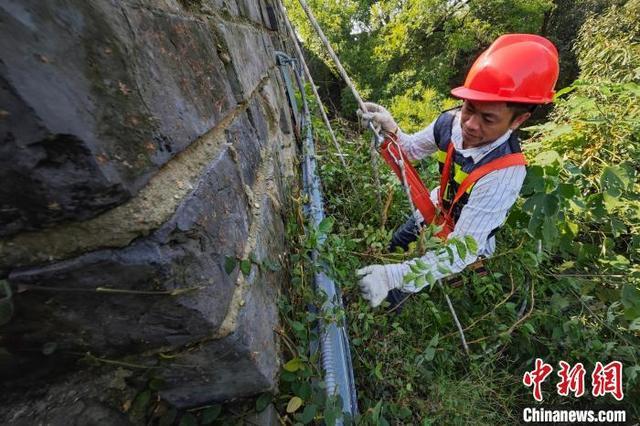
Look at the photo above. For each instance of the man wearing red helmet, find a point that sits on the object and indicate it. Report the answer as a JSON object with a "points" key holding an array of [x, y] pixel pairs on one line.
{"points": [[506, 82]]}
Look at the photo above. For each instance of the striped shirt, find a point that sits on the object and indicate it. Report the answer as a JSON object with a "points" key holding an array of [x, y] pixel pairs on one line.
{"points": [[489, 202]]}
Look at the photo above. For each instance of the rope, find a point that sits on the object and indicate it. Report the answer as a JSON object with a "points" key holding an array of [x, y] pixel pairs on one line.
{"points": [[405, 183], [377, 139], [333, 55], [456, 320], [309, 78]]}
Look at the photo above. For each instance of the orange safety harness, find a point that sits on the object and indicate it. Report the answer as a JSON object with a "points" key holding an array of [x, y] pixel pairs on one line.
{"points": [[420, 195]]}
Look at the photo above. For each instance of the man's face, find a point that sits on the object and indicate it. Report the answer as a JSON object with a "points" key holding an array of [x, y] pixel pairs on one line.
{"points": [[484, 122]]}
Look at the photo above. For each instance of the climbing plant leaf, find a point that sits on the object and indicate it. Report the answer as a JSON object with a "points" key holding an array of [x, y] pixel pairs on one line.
{"points": [[245, 266], [229, 264]]}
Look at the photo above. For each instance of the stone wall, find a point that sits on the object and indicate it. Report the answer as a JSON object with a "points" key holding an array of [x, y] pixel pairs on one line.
{"points": [[142, 143]]}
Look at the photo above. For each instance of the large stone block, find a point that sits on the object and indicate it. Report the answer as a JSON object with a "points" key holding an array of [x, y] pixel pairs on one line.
{"points": [[152, 139], [186, 253], [246, 361], [92, 397], [157, 201], [262, 13], [96, 96], [250, 52], [170, 290]]}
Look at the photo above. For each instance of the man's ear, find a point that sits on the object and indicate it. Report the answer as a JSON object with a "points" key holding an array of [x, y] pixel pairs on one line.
{"points": [[519, 120]]}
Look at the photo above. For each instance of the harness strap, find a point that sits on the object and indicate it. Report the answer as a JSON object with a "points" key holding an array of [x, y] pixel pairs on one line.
{"points": [[446, 173], [390, 151], [509, 160]]}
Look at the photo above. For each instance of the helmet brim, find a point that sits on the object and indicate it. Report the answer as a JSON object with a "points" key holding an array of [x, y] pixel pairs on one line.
{"points": [[475, 95]]}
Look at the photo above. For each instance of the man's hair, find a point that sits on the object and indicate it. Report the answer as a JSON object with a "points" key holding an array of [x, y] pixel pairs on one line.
{"points": [[519, 108]]}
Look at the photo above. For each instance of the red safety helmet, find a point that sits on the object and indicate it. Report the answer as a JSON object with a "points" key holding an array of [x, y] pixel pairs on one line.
{"points": [[515, 68]]}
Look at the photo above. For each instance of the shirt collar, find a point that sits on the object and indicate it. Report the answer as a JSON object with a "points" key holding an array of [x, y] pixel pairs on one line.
{"points": [[476, 153]]}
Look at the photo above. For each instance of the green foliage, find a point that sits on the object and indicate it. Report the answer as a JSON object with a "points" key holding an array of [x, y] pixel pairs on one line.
{"points": [[584, 181], [608, 47], [582, 200], [244, 265], [209, 414], [417, 107], [302, 397], [396, 50]]}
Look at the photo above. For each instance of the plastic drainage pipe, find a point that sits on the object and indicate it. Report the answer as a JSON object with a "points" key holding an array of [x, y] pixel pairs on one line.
{"points": [[334, 341]]}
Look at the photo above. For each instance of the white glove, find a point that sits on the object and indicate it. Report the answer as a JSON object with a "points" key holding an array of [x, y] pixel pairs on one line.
{"points": [[380, 117], [377, 280]]}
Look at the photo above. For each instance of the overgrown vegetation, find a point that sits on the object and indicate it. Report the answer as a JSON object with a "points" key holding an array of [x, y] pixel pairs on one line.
{"points": [[565, 282], [400, 49]]}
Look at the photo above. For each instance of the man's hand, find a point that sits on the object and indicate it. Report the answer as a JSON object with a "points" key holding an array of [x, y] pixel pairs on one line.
{"points": [[377, 280], [380, 117]]}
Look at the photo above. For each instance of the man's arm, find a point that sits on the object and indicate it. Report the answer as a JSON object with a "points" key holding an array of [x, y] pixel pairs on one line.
{"points": [[418, 145], [489, 202], [415, 146]]}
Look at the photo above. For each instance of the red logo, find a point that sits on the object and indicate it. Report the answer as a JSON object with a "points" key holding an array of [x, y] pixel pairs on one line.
{"points": [[607, 379], [604, 379], [572, 379], [536, 377]]}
